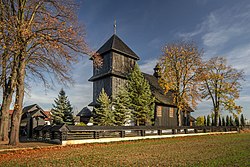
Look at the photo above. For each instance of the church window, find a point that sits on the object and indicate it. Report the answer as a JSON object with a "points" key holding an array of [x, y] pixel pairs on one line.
{"points": [[159, 111], [171, 112]]}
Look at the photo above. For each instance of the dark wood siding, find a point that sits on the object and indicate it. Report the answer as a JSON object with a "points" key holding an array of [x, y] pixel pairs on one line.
{"points": [[117, 84], [185, 117], [99, 84], [162, 116], [37, 121], [117, 64], [84, 119], [122, 63]]}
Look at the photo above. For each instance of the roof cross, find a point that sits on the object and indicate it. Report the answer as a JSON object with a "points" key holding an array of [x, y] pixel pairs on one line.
{"points": [[115, 27]]}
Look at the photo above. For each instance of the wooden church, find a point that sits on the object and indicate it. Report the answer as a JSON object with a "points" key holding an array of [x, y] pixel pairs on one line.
{"points": [[118, 62]]}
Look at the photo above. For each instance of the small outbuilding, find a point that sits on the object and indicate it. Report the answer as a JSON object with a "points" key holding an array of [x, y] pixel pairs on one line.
{"points": [[85, 114], [32, 117]]}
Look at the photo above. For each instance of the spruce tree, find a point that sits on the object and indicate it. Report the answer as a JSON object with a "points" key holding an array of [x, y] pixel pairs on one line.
{"points": [[227, 121], [237, 122], [242, 120], [68, 114], [231, 122], [212, 120], [205, 122], [121, 107], [141, 99], [103, 114], [62, 109], [223, 121], [220, 121], [208, 120]]}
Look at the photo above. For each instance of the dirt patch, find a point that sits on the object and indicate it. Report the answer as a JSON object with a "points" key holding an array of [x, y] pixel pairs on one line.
{"points": [[4, 145], [245, 131]]}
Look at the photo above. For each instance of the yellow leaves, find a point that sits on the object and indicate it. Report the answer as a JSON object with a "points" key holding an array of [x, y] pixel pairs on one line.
{"points": [[166, 88], [180, 63], [97, 60]]}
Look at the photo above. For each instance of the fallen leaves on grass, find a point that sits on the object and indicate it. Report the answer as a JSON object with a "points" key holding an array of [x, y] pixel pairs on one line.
{"points": [[198, 150]]}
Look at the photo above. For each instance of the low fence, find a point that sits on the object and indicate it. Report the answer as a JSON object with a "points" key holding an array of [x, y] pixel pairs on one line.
{"points": [[69, 132]]}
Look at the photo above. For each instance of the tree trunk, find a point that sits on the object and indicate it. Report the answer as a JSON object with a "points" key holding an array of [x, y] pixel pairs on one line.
{"points": [[7, 99], [216, 118], [178, 116], [216, 114], [16, 117], [17, 113], [4, 126], [14, 133]]}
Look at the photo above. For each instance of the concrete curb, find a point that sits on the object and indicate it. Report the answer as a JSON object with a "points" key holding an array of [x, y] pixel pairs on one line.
{"points": [[107, 140]]}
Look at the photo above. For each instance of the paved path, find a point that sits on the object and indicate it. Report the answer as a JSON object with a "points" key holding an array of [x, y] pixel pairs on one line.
{"points": [[106, 140]]}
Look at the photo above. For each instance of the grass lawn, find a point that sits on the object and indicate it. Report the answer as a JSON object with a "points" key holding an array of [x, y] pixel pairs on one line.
{"points": [[211, 150]]}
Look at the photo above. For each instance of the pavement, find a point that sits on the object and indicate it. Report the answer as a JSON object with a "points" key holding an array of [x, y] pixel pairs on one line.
{"points": [[107, 140]]}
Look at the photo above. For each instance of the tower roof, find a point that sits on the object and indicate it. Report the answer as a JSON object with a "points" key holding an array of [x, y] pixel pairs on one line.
{"points": [[116, 44], [86, 112]]}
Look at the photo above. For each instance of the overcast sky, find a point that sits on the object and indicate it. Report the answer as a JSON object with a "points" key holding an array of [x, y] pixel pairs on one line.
{"points": [[221, 28]]}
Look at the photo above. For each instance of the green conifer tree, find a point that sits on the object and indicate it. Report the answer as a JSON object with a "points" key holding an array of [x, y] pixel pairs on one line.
{"points": [[223, 121], [237, 122], [205, 121], [220, 123], [231, 121], [142, 101], [200, 121], [103, 115], [212, 120], [68, 114], [121, 107], [208, 120], [242, 120], [62, 109], [227, 121]]}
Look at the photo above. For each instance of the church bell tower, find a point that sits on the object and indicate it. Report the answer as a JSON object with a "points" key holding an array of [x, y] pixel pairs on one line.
{"points": [[118, 62]]}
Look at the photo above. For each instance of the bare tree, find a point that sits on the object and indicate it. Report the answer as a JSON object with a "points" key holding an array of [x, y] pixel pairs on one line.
{"points": [[221, 85], [48, 39], [8, 66], [179, 71]]}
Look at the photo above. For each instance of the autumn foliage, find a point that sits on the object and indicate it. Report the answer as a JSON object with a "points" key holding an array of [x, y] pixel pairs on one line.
{"points": [[39, 39], [221, 84], [180, 72]]}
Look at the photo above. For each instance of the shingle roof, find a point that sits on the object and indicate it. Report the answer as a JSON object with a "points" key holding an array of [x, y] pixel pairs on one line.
{"points": [[27, 108], [109, 73], [86, 112], [189, 109], [158, 92], [93, 104], [34, 109], [116, 44], [192, 119], [60, 128]]}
